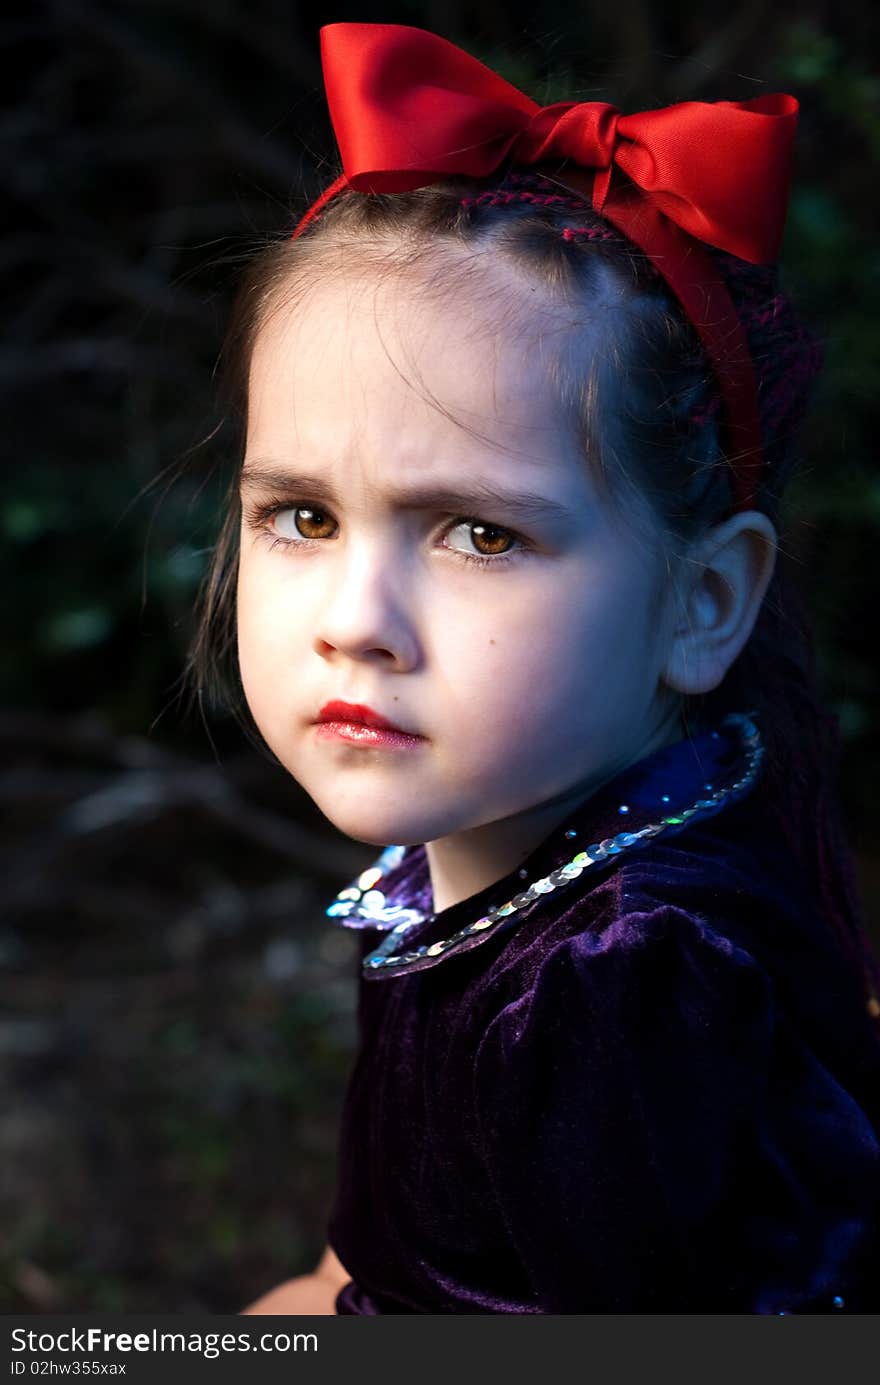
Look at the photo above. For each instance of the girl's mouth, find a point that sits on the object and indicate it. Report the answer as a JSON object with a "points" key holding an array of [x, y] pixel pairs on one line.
{"points": [[360, 725], [370, 737]]}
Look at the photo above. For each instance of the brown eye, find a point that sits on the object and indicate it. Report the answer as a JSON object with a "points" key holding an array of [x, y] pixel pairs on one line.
{"points": [[309, 523], [488, 539], [495, 540]]}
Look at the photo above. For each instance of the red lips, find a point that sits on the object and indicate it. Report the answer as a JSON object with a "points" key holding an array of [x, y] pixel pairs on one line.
{"points": [[356, 711]]}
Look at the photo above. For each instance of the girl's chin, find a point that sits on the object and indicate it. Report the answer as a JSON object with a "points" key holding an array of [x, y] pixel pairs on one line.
{"points": [[371, 833], [380, 830]]}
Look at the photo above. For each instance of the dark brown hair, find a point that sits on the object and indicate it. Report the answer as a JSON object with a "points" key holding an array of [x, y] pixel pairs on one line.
{"points": [[647, 412]]}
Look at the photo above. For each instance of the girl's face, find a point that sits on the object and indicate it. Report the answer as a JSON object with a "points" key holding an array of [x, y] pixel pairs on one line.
{"points": [[464, 582]]}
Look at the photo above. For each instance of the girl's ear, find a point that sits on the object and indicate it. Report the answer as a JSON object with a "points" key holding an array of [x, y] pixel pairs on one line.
{"points": [[720, 587]]}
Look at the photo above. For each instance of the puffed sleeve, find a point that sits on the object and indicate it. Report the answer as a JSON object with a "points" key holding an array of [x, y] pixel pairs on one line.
{"points": [[650, 1137]]}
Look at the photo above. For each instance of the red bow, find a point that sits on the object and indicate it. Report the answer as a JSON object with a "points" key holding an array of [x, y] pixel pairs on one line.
{"points": [[409, 108]]}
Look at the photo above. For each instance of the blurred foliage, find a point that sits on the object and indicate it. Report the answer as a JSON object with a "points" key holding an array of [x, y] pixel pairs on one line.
{"points": [[173, 1126]]}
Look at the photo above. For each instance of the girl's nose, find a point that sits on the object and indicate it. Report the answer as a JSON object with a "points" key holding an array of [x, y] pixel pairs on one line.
{"points": [[366, 612]]}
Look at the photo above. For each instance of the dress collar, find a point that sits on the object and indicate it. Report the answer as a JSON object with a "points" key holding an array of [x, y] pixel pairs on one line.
{"points": [[663, 793]]}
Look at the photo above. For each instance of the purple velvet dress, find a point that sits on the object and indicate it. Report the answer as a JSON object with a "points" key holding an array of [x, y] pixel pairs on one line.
{"points": [[657, 1091]]}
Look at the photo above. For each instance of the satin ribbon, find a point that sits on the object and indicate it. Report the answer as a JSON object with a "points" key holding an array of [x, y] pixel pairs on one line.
{"points": [[409, 108]]}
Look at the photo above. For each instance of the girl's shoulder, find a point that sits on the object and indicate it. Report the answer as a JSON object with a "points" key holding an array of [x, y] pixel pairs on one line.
{"points": [[667, 1066], [727, 887], [669, 928], [709, 934], [706, 889]]}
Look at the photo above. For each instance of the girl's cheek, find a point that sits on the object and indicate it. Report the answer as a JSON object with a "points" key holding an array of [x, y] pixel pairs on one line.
{"points": [[260, 630], [260, 591]]}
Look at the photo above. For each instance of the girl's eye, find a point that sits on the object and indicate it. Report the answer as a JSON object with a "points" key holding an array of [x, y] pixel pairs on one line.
{"points": [[301, 526], [311, 520], [487, 538]]}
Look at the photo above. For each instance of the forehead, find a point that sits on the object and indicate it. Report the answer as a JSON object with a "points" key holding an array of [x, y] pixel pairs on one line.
{"points": [[394, 365]]}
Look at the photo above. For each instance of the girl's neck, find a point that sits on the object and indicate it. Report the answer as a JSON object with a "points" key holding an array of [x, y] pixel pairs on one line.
{"points": [[467, 862]]}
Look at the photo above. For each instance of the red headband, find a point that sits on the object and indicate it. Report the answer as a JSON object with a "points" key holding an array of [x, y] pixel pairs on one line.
{"points": [[409, 108]]}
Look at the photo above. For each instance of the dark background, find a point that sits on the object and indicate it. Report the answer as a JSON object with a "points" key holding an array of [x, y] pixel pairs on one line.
{"points": [[177, 1015]]}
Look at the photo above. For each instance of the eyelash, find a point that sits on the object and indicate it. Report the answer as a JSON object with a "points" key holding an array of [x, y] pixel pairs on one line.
{"points": [[257, 517]]}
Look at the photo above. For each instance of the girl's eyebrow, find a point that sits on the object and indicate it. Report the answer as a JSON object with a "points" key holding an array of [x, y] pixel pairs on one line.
{"points": [[474, 495]]}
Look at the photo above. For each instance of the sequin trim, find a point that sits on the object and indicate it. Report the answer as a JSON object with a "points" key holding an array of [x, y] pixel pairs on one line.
{"points": [[362, 905]]}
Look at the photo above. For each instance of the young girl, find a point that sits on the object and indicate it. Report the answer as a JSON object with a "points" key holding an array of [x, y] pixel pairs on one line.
{"points": [[505, 565]]}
